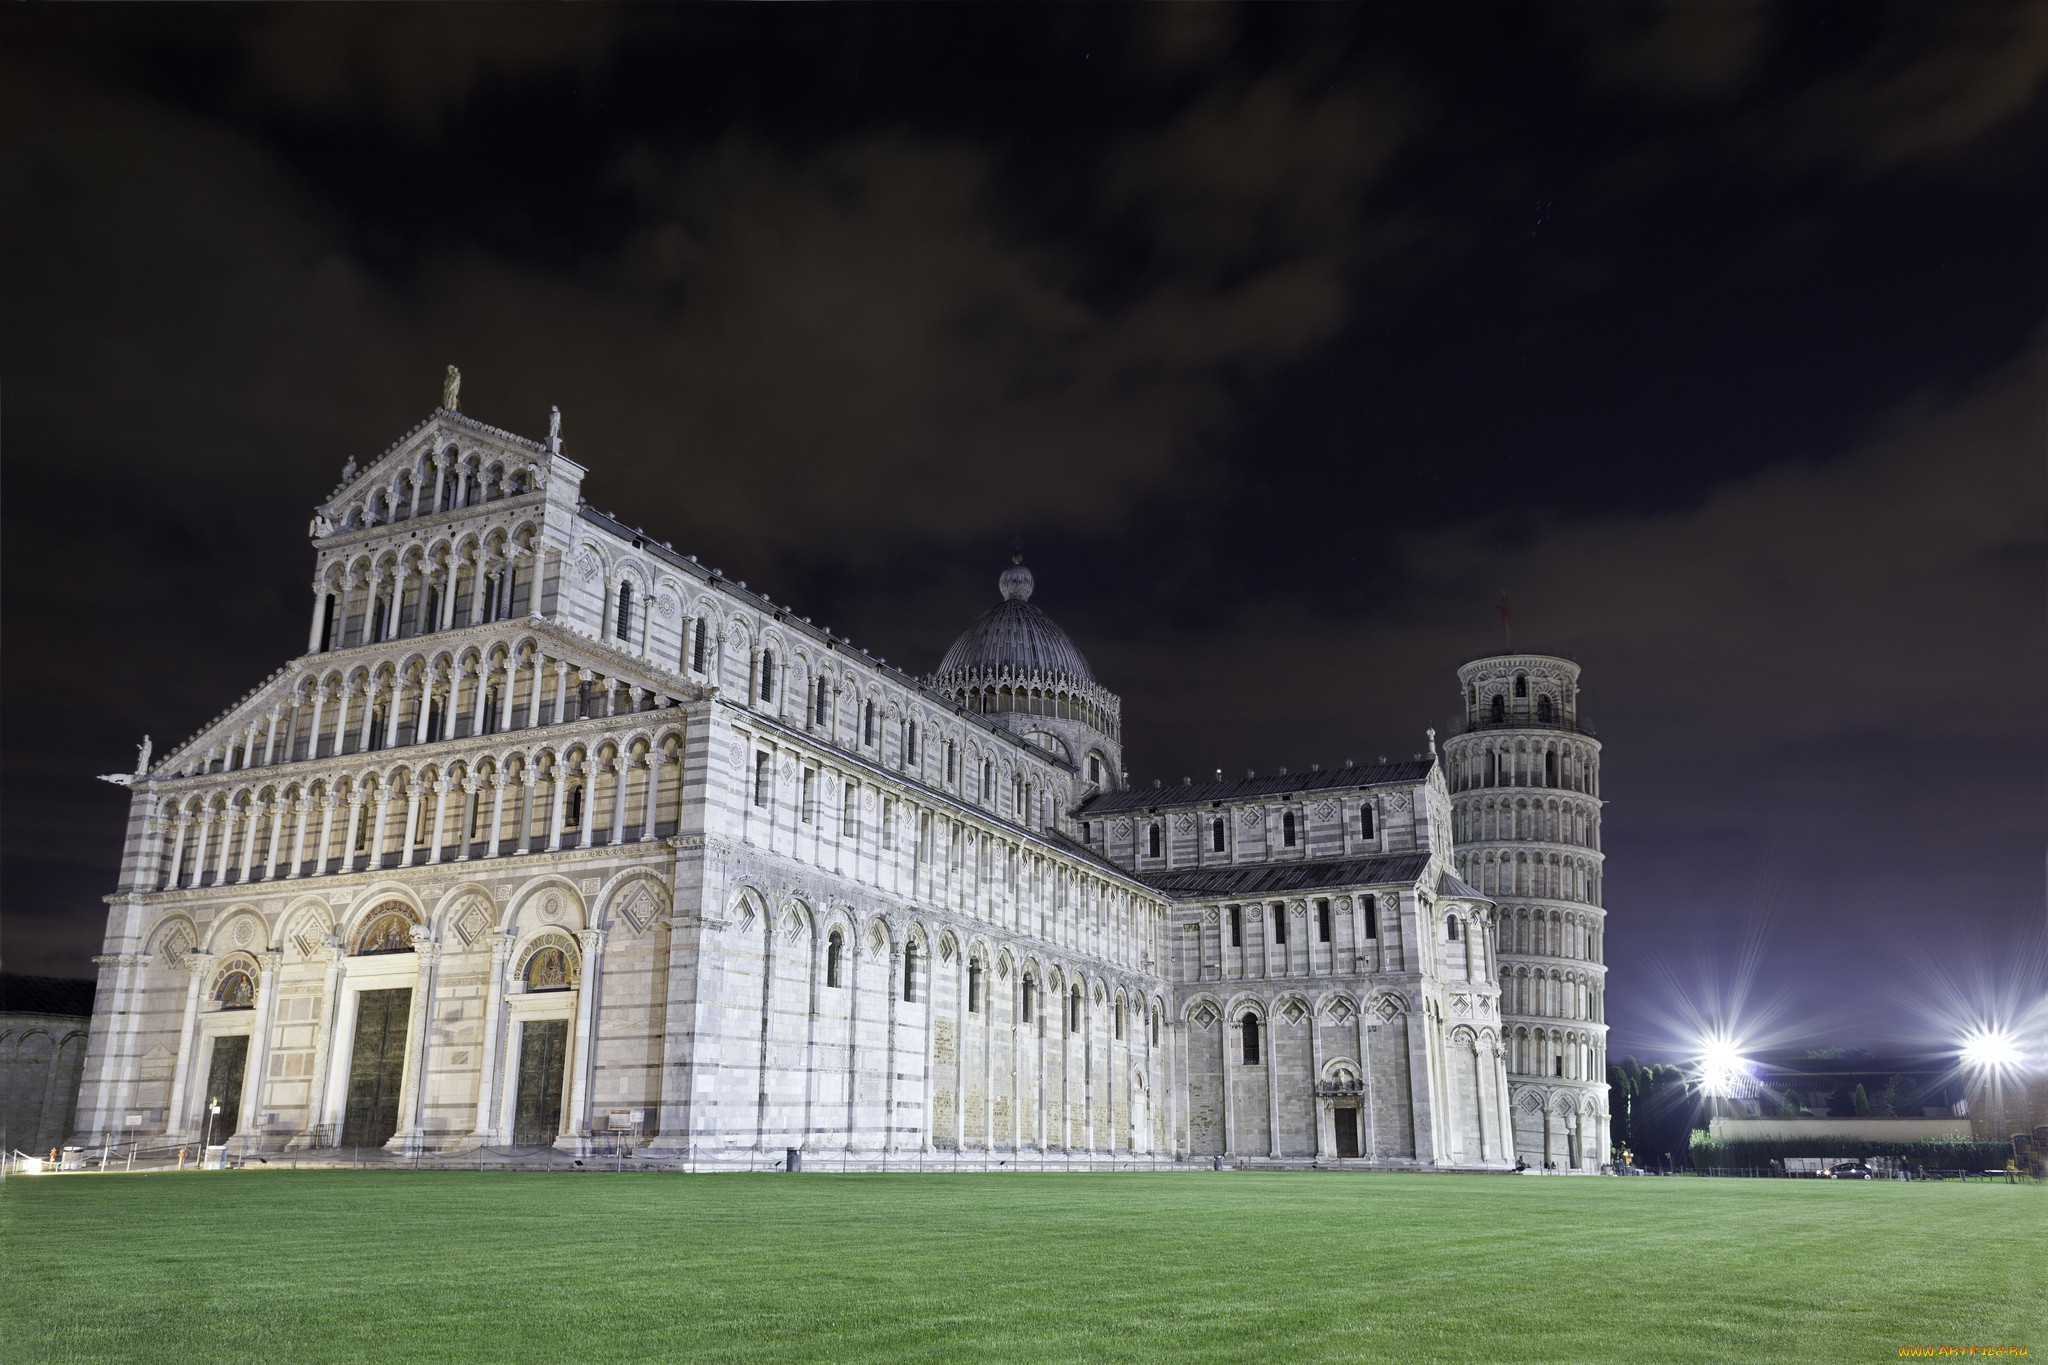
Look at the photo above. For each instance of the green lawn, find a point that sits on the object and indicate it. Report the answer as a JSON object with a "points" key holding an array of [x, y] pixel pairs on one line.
{"points": [[281, 1266]]}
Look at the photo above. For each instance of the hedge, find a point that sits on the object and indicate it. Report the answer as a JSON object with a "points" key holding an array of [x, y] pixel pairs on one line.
{"points": [[1945, 1154]]}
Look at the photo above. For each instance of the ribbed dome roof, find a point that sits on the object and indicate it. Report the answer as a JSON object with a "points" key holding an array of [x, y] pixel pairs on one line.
{"points": [[1013, 635]]}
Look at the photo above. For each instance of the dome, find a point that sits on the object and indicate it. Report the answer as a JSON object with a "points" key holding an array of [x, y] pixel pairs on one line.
{"points": [[1015, 637]]}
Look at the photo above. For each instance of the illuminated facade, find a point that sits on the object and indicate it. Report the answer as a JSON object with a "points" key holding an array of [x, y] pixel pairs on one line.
{"points": [[554, 836]]}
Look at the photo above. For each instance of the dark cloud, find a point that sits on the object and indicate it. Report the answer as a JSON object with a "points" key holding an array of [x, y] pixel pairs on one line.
{"points": [[1288, 338]]}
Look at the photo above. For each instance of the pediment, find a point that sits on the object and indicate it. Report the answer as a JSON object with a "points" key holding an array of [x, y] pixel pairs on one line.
{"points": [[400, 484]]}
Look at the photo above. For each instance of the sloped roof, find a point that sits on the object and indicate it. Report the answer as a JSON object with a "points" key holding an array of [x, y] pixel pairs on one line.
{"points": [[1449, 884], [1279, 784], [1272, 879], [21, 994]]}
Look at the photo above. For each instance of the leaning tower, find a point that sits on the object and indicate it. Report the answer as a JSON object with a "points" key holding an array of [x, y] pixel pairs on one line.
{"points": [[1524, 774]]}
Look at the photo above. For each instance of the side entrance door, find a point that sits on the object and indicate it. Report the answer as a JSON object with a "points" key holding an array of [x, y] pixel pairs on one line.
{"points": [[376, 1068], [1347, 1132], [542, 1045], [224, 1088]]}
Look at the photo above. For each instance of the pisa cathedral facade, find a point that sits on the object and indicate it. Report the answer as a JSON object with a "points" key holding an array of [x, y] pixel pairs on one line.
{"points": [[555, 837]]}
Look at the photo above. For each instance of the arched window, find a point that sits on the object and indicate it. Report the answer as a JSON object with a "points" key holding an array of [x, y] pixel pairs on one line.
{"points": [[867, 723], [624, 627], [767, 675], [1250, 1027], [1153, 839], [235, 991], [697, 645], [1029, 1002], [910, 973], [1499, 711], [1521, 684], [1120, 1019], [1365, 821], [833, 946], [910, 741], [1216, 834], [1074, 1015], [1543, 712], [824, 696], [1287, 829], [1471, 694], [548, 970], [1155, 1028], [974, 988], [573, 818], [1451, 928], [988, 781], [1550, 769]]}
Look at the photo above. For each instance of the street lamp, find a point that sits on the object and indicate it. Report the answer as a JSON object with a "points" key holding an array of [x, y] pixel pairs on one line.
{"points": [[1990, 1050], [212, 1113]]}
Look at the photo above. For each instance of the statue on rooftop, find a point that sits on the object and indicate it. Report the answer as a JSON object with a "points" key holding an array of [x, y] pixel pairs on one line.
{"points": [[451, 390]]}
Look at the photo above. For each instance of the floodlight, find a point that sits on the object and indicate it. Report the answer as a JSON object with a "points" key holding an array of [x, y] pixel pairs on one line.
{"points": [[1990, 1049], [1721, 1065]]}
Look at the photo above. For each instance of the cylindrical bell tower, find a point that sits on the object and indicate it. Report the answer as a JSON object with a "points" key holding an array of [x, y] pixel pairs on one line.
{"points": [[1524, 774]]}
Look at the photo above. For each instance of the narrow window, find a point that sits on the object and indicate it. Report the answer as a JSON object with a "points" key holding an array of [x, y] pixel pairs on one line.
{"points": [[1237, 926], [1085, 836], [1521, 684], [810, 800], [988, 781], [867, 724], [697, 645], [327, 625], [1074, 1021], [761, 777], [1322, 921], [1155, 1028], [910, 741], [1499, 712], [1543, 712], [1372, 917], [1094, 769], [1451, 928], [1155, 841], [574, 819], [767, 675], [1287, 829], [1280, 925], [952, 762], [832, 948], [625, 623], [1365, 821], [848, 811], [1030, 994], [974, 988], [1250, 1027], [889, 822], [910, 973], [818, 708], [1119, 1020], [1216, 834], [1558, 1065], [1550, 769]]}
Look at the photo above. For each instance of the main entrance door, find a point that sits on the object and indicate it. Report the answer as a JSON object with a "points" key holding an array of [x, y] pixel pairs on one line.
{"points": [[376, 1068], [1347, 1132], [224, 1088], [542, 1043]]}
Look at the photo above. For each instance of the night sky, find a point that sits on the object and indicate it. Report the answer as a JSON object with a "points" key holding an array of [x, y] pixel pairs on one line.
{"points": [[1285, 338]]}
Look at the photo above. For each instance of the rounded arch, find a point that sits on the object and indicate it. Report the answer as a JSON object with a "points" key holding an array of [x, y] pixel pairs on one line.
{"points": [[549, 900]]}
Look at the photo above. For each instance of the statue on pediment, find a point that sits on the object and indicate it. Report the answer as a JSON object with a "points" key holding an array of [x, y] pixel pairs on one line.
{"points": [[451, 390]]}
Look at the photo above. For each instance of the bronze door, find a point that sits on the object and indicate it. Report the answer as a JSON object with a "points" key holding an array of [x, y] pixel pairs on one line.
{"points": [[1347, 1132], [376, 1068], [224, 1087], [542, 1045]]}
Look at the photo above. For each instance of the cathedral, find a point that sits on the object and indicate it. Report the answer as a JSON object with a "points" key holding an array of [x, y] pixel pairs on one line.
{"points": [[554, 838]]}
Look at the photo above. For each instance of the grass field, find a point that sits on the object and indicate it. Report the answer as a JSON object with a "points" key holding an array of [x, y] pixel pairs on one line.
{"points": [[397, 1266]]}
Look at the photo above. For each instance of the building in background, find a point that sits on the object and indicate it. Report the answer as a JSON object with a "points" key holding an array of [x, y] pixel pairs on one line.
{"points": [[43, 1022], [1524, 778], [554, 836]]}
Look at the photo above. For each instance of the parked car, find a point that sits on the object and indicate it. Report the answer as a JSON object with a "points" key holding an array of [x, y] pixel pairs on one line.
{"points": [[1851, 1170]]}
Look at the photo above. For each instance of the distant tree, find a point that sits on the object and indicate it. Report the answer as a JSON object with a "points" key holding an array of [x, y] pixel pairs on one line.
{"points": [[1862, 1102], [1842, 1103], [1789, 1108], [1901, 1097]]}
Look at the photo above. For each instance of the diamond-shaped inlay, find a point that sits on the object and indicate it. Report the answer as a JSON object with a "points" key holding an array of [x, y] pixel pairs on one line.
{"points": [[473, 923], [1293, 1013], [1204, 1017]]}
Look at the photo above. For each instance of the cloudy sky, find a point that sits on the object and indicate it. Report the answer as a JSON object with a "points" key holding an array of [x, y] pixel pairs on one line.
{"points": [[1286, 339]]}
